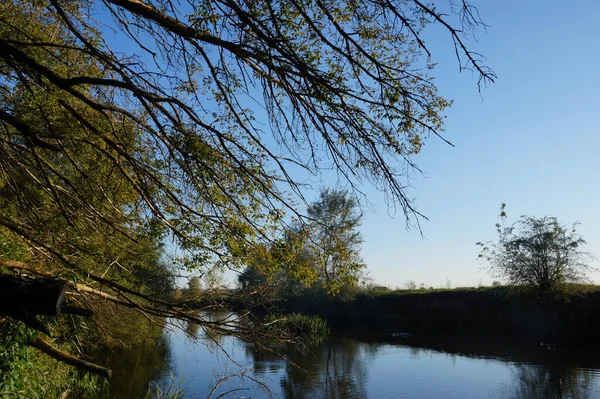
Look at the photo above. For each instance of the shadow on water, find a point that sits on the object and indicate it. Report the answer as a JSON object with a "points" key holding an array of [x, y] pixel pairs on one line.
{"points": [[134, 368]]}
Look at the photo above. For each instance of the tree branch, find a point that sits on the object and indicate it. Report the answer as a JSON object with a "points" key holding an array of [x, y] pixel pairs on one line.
{"points": [[64, 357]]}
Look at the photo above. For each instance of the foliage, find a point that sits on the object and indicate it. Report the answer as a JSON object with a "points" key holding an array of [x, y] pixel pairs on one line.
{"points": [[111, 328], [157, 276], [111, 145], [521, 313], [194, 288], [13, 358], [539, 252], [323, 253], [213, 279], [333, 241], [25, 373], [109, 149], [170, 390], [250, 278]]}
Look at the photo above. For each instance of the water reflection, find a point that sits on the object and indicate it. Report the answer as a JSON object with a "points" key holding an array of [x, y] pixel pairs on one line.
{"points": [[133, 368], [348, 368], [192, 329], [551, 382], [211, 337], [333, 369]]}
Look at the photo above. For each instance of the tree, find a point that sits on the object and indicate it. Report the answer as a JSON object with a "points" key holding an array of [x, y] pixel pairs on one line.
{"points": [[107, 147], [194, 289], [213, 279], [323, 250], [333, 241], [539, 252], [249, 278]]}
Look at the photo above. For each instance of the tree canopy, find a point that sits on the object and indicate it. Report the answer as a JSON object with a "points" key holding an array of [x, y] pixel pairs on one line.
{"points": [[323, 253], [333, 240], [124, 123]]}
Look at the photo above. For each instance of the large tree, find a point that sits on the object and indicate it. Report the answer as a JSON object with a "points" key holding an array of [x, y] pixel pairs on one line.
{"points": [[333, 239], [323, 251], [122, 121]]}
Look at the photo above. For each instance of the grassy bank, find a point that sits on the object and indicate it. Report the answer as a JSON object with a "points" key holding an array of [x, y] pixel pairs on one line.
{"points": [[565, 316]]}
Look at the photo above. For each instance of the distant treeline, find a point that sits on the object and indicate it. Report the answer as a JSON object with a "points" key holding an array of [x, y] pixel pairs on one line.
{"points": [[566, 316]]}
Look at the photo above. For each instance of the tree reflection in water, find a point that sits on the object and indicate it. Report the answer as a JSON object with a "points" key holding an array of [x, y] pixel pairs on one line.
{"points": [[192, 329], [212, 338], [335, 368], [134, 367], [549, 381], [347, 368]]}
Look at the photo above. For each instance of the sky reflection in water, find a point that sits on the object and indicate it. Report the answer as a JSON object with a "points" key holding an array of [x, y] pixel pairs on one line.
{"points": [[348, 368]]}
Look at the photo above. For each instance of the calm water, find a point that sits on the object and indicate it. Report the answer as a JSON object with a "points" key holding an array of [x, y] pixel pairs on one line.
{"points": [[349, 368]]}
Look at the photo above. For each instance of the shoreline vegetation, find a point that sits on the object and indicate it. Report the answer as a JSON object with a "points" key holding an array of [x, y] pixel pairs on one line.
{"points": [[562, 317]]}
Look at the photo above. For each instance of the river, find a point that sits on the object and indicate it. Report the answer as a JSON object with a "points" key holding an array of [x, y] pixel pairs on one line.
{"points": [[346, 367]]}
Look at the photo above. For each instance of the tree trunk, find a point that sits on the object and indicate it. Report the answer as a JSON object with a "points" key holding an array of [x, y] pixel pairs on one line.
{"points": [[20, 295]]}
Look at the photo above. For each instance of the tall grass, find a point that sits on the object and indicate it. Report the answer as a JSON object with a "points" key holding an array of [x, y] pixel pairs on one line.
{"points": [[299, 325], [171, 390]]}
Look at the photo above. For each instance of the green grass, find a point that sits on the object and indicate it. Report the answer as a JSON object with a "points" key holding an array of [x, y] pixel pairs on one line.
{"points": [[299, 325], [574, 289], [170, 391]]}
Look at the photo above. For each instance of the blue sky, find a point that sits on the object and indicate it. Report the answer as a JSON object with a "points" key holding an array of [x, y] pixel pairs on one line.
{"points": [[531, 140]]}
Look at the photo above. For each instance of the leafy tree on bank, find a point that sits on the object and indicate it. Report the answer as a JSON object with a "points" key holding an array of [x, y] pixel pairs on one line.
{"points": [[539, 252], [281, 267], [104, 153], [250, 278], [333, 241], [325, 251], [194, 289]]}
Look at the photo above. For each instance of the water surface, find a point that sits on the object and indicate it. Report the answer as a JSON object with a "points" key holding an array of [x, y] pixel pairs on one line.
{"points": [[343, 367]]}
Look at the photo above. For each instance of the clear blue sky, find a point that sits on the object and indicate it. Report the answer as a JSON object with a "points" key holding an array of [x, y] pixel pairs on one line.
{"points": [[530, 140]]}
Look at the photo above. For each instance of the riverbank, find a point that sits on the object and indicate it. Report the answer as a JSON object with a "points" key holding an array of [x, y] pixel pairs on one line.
{"points": [[566, 317]]}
